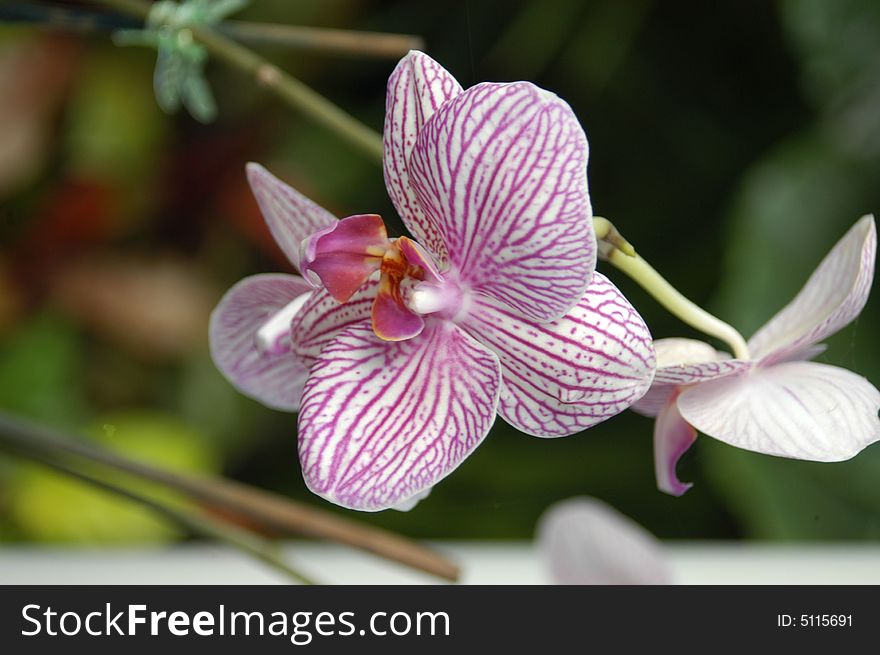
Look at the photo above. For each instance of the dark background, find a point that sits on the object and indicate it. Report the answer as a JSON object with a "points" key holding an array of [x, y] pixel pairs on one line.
{"points": [[733, 142]]}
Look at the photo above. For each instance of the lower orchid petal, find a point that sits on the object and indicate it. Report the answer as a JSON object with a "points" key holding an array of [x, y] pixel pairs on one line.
{"points": [[383, 421], [564, 376], [261, 367], [587, 542], [802, 410], [672, 438]]}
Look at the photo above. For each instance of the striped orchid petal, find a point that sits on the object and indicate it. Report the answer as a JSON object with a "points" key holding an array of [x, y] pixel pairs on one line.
{"points": [[684, 361], [564, 376], [416, 89], [672, 437], [261, 368], [501, 172], [291, 216], [381, 421], [802, 410], [322, 318], [833, 296], [586, 542]]}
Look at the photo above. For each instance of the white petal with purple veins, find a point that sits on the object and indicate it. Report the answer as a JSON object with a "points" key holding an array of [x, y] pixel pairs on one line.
{"points": [[501, 172], [272, 375], [383, 421], [564, 376], [802, 410], [416, 88], [833, 296], [586, 542], [291, 216]]}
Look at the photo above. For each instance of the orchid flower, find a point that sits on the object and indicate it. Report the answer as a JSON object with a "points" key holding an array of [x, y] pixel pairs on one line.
{"points": [[492, 307], [584, 541], [775, 402]]}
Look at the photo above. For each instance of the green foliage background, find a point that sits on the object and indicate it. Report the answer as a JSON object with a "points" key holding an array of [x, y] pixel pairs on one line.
{"points": [[733, 142]]}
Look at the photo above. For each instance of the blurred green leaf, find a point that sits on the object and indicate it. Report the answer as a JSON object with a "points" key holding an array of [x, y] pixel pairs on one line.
{"points": [[40, 367], [51, 507]]}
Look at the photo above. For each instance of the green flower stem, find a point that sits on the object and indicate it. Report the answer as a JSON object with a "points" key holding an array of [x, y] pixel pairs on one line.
{"points": [[620, 254], [272, 512], [288, 88], [191, 521]]}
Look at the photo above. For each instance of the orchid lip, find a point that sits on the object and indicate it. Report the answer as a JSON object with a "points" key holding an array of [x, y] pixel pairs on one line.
{"points": [[273, 337]]}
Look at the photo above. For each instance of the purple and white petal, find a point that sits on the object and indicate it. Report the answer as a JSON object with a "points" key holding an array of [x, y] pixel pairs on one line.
{"points": [[383, 421], [291, 216], [802, 410], [680, 362], [564, 376], [250, 339], [587, 542], [501, 172], [833, 296], [672, 438], [416, 88], [322, 318]]}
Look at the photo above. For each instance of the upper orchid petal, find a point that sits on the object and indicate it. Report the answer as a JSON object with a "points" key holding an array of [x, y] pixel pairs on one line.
{"points": [[383, 421], [833, 296], [672, 437], [345, 254], [416, 88], [269, 373], [684, 361], [564, 376], [501, 172], [322, 318], [291, 216], [802, 410], [587, 542]]}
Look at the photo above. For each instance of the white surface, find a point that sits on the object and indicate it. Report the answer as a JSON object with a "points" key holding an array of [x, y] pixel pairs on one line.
{"points": [[482, 563]]}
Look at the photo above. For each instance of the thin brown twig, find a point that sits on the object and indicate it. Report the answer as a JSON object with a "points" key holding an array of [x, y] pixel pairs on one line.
{"points": [[274, 512]]}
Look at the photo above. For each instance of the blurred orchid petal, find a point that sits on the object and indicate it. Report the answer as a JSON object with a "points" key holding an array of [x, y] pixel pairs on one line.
{"points": [[587, 542]]}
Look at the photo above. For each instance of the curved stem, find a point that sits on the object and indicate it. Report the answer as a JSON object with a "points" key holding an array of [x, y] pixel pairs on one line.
{"points": [[288, 88], [620, 254]]}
